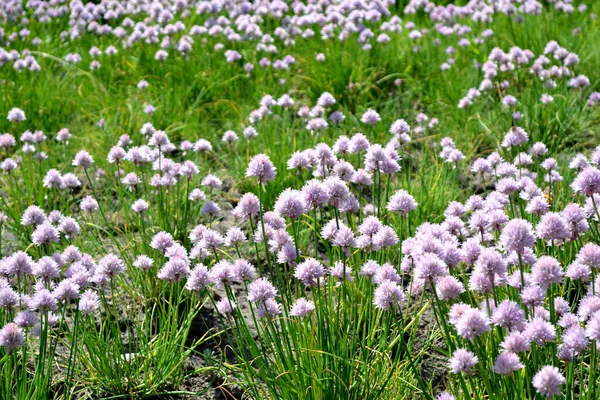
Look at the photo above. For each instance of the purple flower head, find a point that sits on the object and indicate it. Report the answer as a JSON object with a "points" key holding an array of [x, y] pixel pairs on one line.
{"points": [[69, 227], [385, 237], [472, 323], [291, 204], [89, 302], [226, 306], [89, 204], [230, 137], [552, 227], [370, 226], [341, 272], [46, 268], [162, 241], [470, 250], [198, 278], [370, 117], [402, 202], [301, 308], [45, 234], [587, 182], [344, 237], [490, 263], [369, 269], [19, 264], [387, 272], [358, 143], [143, 262], [140, 206], [83, 159], [16, 115], [110, 266], [309, 271], [388, 295], [507, 363], [33, 216], [26, 319], [516, 342], [213, 182], [449, 288], [247, 207], [548, 381], [262, 168], [575, 339], [315, 194], [537, 205], [8, 297], [514, 137], [268, 308], [261, 290], [546, 271], [43, 300], [509, 315], [11, 337], [540, 331], [589, 255], [174, 270], [517, 236], [429, 267], [400, 127], [463, 361], [66, 290]]}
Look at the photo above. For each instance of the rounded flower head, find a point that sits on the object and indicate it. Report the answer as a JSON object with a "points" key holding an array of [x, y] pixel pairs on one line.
{"points": [[33, 215], [552, 227], [110, 266], [388, 295], [462, 361], [448, 287], [589, 255], [472, 323], [587, 182], [45, 234], [162, 241], [370, 117], [198, 278], [174, 270], [89, 302], [540, 331], [143, 262], [11, 337], [302, 307], [548, 381], [509, 315], [517, 236], [546, 271], [247, 207], [402, 202], [291, 204], [225, 306], [139, 206], [16, 115], [429, 267], [262, 168], [83, 159], [315, 194], [261, 290], [309, 271], [507, 363]]}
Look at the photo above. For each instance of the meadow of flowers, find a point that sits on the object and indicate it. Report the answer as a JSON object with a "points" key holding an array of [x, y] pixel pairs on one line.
{"points": [[323, 199]]}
